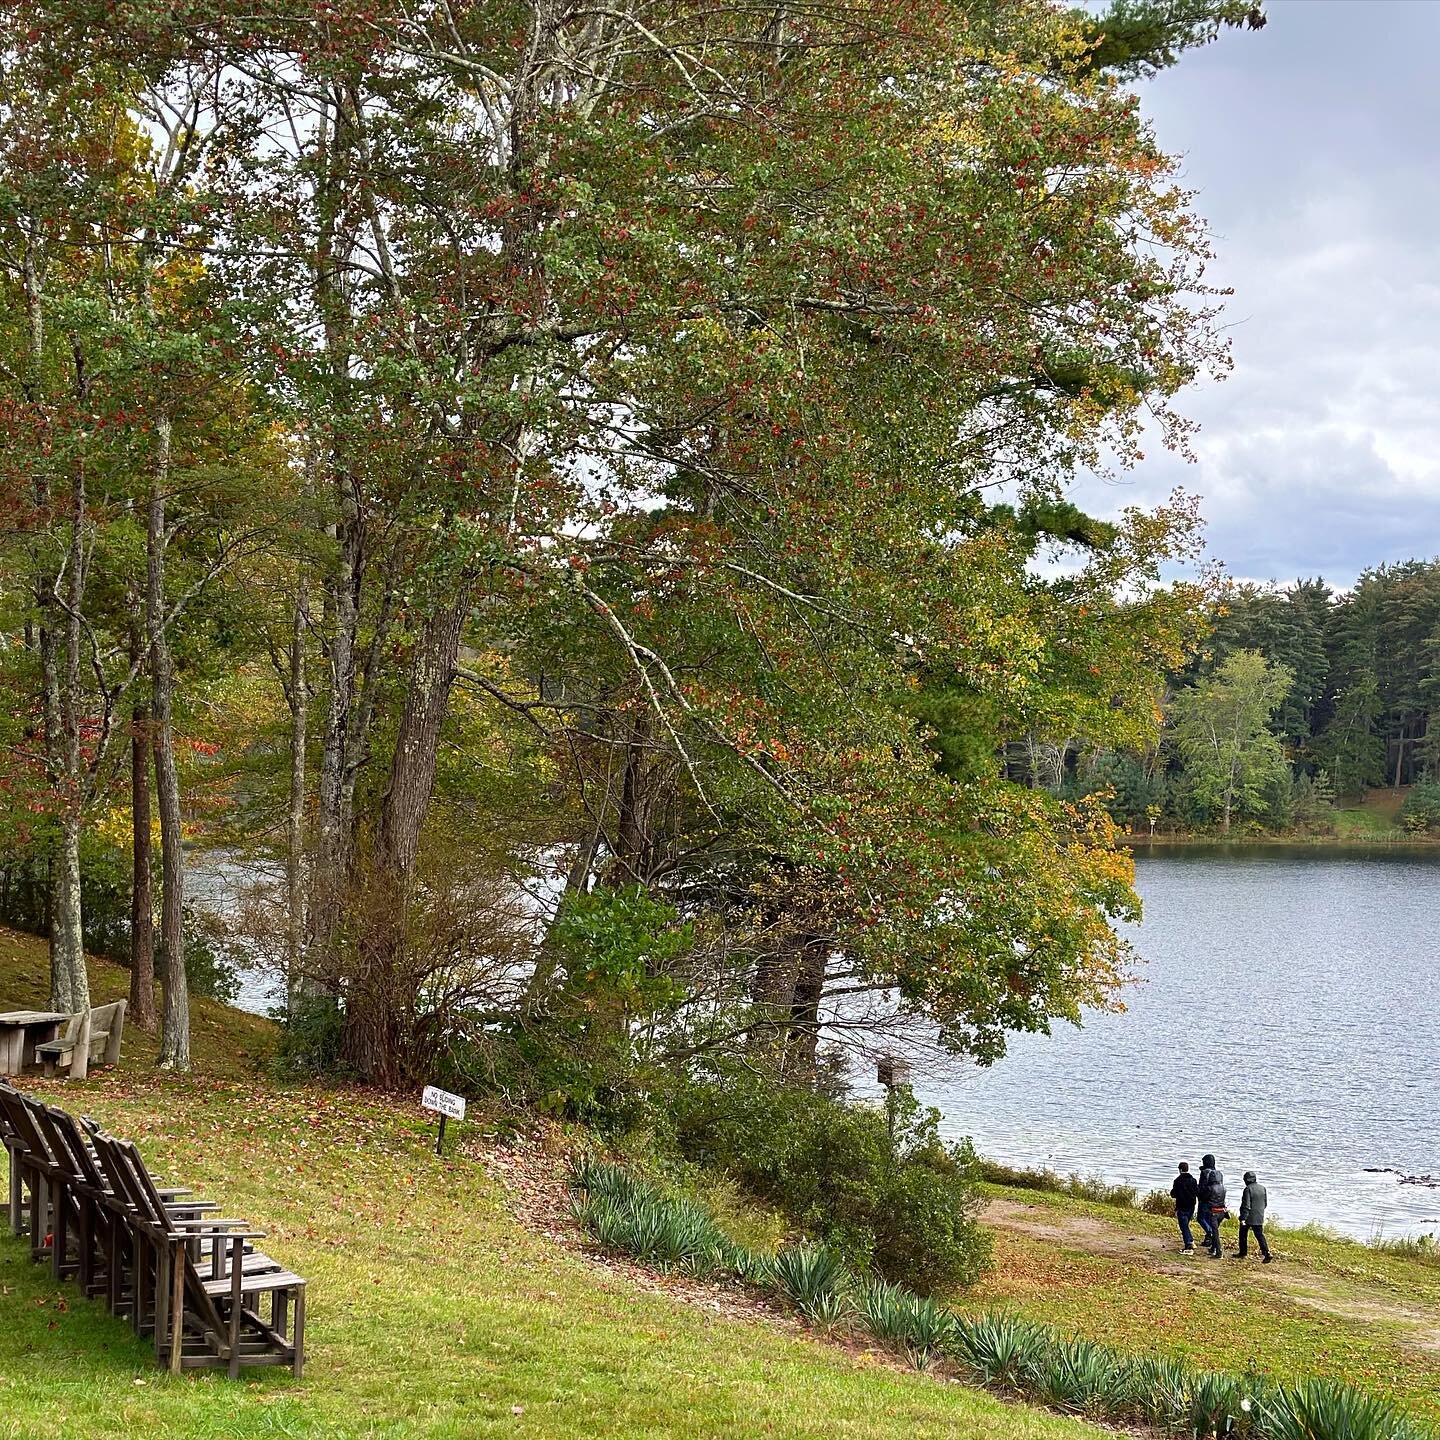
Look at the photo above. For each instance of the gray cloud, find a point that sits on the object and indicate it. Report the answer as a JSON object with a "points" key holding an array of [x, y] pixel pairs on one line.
{"points": [[1313, 145]]}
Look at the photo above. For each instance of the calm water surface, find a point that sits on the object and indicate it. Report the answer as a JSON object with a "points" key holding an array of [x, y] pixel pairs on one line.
{"points": [[1285, 1019]]}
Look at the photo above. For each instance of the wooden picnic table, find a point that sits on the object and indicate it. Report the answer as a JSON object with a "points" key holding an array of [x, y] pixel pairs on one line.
{"points": [[21, 1031]]}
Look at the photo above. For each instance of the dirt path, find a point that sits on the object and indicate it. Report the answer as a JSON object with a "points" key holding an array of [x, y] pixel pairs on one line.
{"points": [[1418, 1325]]}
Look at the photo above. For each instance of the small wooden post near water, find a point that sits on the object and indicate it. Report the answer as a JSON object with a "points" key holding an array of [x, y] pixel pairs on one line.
{"points": [[891, 1071], [446, 1106]]}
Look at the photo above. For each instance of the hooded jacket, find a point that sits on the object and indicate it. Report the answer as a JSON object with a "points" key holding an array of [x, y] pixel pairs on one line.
{"points": [[1253, 1201], [1212, 1184]]}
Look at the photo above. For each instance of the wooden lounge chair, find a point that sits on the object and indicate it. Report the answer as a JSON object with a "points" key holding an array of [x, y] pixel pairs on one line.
{"points": [[91, 1037], [16, 1157], [40, 1178], [200, 1284], [101, 1244]]}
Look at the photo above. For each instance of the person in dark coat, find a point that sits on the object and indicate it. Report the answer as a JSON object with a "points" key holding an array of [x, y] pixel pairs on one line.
{"points": [[1185, 1192], [1211, 1202], [1253, 1201]]}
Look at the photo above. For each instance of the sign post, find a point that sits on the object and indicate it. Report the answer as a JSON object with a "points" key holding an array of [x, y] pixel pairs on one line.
{"points": [[446, 1106], [891, 1071]]}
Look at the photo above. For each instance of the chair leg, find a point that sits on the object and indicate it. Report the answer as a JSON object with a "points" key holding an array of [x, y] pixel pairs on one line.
{"points": [[39, 1216], [177, 1306], [163, 1262], [59, 1240], [16, 1196], [297, 1335], [237, 1305]]}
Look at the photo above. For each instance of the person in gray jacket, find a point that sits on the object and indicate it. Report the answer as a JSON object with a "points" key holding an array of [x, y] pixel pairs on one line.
{"points": [[1252, 1217]]}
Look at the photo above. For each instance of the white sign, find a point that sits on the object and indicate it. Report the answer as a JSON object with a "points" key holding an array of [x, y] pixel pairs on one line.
{"points": [[443, 1102]]}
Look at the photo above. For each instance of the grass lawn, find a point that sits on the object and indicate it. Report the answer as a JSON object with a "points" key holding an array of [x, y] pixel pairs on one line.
{"points": [[1327, 1307], [432, 1312]]}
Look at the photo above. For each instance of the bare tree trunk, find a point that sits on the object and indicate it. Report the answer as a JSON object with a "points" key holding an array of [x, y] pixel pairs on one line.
{"points": [[69, 980], [803, 1041], [330, 873], [295, 819], [142, 904], [175, 1021], [370, 1043]]}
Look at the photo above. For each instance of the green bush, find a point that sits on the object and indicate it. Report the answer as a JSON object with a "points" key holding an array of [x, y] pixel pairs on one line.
{"points": [[1080, 1376], [310, 1034], [607, 990], [628, 1214], [1005, 1351], [911, 1212], [815, 1278], [916, 1325], [927, 1231], [1421, 810], [1330, 1410]]}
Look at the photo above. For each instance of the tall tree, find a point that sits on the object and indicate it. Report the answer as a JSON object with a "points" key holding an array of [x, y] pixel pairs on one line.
{"points": [[1222, 729]]}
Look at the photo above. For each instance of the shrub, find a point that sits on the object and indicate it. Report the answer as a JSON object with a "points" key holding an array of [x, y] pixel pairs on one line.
{"points": [[1080, 1376], [1421, 810], [916, 1325], [912, 1212], [1003, 1350], [927, 1231], [814, 1277], [1155, 1389], [310, 1036], [1219, 1405], [1329, 1410], [630, 1215], [1158, 1202]]}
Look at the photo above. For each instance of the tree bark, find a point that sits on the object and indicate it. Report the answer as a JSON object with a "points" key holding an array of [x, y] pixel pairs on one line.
{"points": [[60, 674], [371, 1040], [141, 1010], [803, 1041], [175, 1020], [69, 980], [295, 818]]}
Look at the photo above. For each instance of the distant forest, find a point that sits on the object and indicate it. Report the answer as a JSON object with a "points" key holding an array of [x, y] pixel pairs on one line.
{"points": [[1302, 697]]}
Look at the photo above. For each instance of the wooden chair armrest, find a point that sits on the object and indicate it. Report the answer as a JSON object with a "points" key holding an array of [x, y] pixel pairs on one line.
{"points": [[188, 1235], [209, 1225]]}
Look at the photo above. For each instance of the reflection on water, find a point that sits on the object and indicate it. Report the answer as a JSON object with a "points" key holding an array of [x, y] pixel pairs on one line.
{"points": [[1285, 1019]]}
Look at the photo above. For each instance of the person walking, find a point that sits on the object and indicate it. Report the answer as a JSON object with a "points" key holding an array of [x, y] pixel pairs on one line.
{"points": [[1253, 1201], [1211, 1202], [1185, 1192]]}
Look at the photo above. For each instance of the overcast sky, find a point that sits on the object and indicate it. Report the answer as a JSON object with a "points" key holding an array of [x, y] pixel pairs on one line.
{"points": [[1315, 146]]}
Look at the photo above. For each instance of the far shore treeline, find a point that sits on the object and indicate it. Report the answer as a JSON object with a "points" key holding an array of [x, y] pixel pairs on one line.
{"points": [[1301, 698]]}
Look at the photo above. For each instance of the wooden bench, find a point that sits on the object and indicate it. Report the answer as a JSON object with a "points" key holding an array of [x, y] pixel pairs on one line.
{"points": [[91, 1037]]}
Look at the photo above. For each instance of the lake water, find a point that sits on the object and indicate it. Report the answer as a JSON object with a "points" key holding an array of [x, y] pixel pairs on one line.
{"points": [[1285, 1019]]}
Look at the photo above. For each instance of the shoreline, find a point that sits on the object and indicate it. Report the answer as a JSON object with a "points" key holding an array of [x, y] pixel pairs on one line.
{"points": [[1400, 841]]}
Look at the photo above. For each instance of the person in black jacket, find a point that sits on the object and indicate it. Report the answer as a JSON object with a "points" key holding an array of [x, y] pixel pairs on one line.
{"points": [[1185, 1192], [1211, 1200]]}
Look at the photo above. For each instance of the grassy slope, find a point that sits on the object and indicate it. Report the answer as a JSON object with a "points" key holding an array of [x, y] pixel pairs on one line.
{"points": [[1330, 1306], [432, 1313]]}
